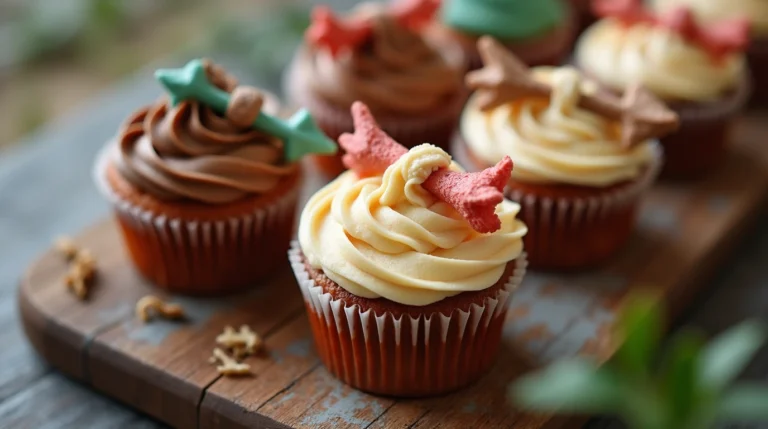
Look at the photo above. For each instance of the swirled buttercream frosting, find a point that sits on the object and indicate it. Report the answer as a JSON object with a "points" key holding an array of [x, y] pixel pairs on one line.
{"points": [[188, 152], [756, 11], [553, 140], [395, 72], [386, 236], [673, 69]]}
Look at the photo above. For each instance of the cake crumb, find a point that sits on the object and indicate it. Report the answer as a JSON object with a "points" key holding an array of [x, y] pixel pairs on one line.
{"points": [[242, 343], [66, 246], [82, 266], [151, 305], [229, 366]]}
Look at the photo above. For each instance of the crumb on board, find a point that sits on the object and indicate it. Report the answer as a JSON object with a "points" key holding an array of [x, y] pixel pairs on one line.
{"points": [[150, 306], [242, 343], [82, 266], [66, 246], [228, 365]]}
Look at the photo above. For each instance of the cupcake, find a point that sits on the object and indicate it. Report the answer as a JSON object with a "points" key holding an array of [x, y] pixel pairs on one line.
{"points": [[700, 72], [583, 157], [539, 32], [204, 183], [755, 12], [378, 55], [407, 264]]}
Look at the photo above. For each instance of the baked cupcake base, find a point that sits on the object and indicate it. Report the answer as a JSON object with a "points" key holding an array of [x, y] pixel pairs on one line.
{"points": [[387, 348], [700, 144], [572, 227], [545, 50], [435, 127], [757, 55], [200, 249]]}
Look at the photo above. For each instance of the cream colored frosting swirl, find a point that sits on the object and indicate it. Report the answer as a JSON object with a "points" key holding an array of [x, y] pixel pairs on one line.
{"points": [[555, 141], [388, 237], [675, 70], [756, 11], [396, 73]]}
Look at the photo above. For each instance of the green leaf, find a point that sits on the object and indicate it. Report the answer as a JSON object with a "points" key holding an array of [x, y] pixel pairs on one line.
{"points": [[577, 386], [640, 330], [745, 402], [727, 355], [680, 382]]}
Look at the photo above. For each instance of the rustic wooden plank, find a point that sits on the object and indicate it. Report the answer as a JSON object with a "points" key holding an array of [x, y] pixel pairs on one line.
{"points": [[162, 367], [234, 402], [54, 402], [58, 324]]}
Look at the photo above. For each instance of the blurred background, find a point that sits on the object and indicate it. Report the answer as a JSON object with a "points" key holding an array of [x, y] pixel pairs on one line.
{"points": [[55, 54]]}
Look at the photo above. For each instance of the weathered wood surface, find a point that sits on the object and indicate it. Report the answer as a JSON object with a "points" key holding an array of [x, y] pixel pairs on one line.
{"points": [[46, 190], [161, 368]]}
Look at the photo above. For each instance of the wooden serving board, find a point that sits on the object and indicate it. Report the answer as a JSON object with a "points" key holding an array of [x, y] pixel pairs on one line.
{"points": [[162, 368]]}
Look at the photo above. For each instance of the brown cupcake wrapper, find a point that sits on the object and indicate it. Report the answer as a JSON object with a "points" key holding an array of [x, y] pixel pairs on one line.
{"points": [[757, 55], [700, 144], [404, 356], [567, 233], [202, 257]]}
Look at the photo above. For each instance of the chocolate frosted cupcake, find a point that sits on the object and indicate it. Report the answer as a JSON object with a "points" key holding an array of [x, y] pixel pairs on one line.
{"points": [[205, 201], [753, 11], [583, 158], [699, 72], [406, 265], [539, 32], [377, 55]]}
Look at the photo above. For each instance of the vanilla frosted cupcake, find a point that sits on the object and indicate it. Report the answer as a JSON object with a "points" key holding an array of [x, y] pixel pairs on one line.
{"points": [[580, 169], [753, 11], [699, 72], [405, 261]]}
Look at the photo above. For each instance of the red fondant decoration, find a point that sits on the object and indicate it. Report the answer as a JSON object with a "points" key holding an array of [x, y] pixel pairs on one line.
{"points": [[627, 11], [717, 39], [369, 151], [474, 195], [414, 14], [334, 34]]}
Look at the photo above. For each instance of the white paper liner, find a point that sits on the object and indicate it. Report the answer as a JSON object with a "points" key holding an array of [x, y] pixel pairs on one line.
{"points": [[219, 256], [406, 356]]}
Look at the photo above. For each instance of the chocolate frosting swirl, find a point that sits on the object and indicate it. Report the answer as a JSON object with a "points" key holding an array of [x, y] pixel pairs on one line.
{"points": [[395, 72], [188, 152]]}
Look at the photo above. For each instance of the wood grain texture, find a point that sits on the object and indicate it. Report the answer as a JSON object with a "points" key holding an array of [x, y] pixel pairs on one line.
{"points": [[161, 368]]}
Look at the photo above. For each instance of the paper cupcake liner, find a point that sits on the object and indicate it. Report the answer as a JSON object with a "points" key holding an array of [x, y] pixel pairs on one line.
{"points": [[203, 257], [436, 127], [403, 355], [700, 145], [567, 232], [757, 55]]}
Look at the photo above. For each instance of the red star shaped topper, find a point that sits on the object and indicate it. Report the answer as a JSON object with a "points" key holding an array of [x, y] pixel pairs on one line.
{"points": [[717, 39], [474, 195], [339, 35]]}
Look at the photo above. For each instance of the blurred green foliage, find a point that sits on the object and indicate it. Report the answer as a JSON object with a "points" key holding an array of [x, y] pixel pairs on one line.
{"points": [[687, 385]]}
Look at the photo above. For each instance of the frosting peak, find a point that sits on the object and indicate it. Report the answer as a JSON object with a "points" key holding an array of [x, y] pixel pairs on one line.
{"points": [[394, 72], [386, 236], [555, 140], [402, 180], [672, 68]]}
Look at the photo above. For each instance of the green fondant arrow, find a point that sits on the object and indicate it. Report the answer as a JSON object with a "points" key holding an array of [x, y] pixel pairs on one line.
{"points": [[300, 134]]}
